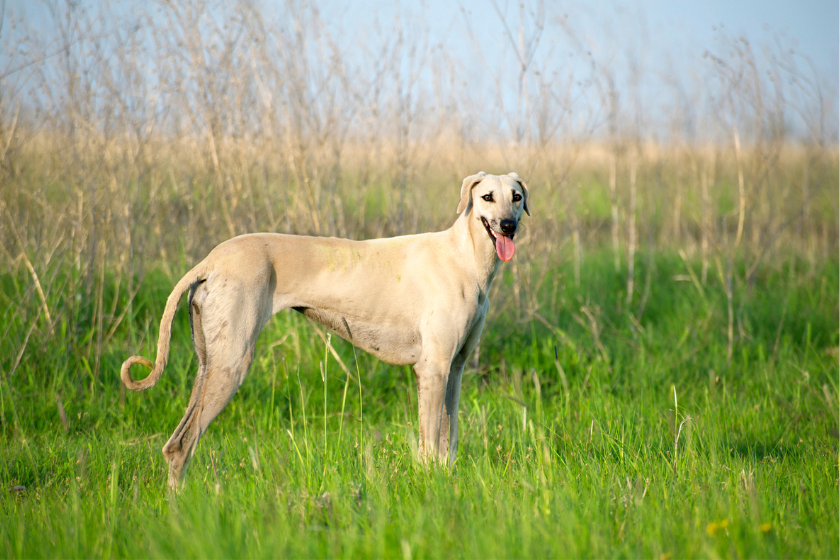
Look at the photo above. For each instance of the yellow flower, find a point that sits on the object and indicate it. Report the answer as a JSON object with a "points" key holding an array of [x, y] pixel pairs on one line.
{"points": [[715, 526], [765, 527]]}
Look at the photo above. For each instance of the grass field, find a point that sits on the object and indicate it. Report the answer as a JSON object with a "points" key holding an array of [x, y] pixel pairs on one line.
{"points": [[587, 431]]}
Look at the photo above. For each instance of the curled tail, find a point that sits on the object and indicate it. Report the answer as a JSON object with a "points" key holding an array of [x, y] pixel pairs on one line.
{"points": [[195, 275]]}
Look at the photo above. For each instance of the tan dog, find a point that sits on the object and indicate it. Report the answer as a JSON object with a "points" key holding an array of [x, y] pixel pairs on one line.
{"points": [[414, 300]]}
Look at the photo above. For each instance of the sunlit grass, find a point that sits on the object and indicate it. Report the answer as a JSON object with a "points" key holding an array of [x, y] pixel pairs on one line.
{"points": [[586, 467]]}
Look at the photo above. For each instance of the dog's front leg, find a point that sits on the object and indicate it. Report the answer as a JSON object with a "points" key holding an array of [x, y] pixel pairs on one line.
{"points": [[431, 387], [448, 447]]}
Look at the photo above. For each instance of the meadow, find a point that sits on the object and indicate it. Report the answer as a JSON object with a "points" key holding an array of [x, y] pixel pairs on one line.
{"points": [[658, 374], [697, 418], [587, 435]]}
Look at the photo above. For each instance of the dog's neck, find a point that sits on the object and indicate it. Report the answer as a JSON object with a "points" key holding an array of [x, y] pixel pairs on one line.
{"points": [[479, 249]]}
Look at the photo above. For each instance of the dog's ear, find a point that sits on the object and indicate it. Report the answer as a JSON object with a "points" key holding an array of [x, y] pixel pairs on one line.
{"points": [[466, 189], [524, 191]]}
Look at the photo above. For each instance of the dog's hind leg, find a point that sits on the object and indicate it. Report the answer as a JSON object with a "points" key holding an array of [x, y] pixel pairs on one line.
{"points": [[174, 450], [225, 356]]}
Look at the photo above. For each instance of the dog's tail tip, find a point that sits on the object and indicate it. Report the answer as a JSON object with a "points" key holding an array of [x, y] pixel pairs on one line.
{"points": [[143, 384]]}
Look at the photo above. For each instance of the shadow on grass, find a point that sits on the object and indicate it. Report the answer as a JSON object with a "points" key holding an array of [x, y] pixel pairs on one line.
{"points": [[759, 451]]}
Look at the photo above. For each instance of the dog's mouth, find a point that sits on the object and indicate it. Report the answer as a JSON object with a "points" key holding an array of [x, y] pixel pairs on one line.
{"points": [[503, 243]]}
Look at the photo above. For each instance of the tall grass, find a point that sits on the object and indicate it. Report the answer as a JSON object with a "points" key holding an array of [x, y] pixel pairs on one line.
{"points": [[592, 435]]}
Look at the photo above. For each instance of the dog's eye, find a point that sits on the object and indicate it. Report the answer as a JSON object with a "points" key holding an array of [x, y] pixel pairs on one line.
{"points": [[488, 197], [517, 197]]}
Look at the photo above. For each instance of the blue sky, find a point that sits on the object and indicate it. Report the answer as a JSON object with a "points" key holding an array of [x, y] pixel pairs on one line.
{"points": [[666, 38], [675, 26], [678, 28]]}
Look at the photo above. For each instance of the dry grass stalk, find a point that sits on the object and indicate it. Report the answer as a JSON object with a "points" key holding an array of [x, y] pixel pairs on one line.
{"points": [[35, 279], [614, 214], [705, 222], [631, 233], [742, 198]]}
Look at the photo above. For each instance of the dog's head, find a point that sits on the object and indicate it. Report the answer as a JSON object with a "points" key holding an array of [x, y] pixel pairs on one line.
{"points": [[497, 201]]}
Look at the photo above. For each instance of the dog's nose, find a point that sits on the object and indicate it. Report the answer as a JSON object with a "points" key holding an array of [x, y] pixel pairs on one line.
{"points": [[508, 226]]}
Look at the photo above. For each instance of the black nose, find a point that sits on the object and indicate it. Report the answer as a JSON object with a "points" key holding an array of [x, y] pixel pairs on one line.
{"points": [[508, 226]]}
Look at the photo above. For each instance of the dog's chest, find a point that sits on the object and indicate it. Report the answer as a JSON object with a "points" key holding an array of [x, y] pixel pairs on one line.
{"points": [[390, 343]]}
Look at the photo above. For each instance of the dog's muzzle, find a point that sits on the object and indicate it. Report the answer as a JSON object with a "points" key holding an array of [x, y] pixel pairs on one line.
{"points": [[503, 242]]}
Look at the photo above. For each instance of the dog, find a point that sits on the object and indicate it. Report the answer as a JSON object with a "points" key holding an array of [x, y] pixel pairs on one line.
{"points": [[416, 300]]}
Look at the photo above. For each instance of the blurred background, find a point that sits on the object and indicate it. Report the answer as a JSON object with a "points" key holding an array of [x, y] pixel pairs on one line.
{"points": [[137, 136]]}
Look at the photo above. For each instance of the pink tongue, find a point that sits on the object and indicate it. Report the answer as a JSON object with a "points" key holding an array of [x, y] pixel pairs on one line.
{"points": [[505, 247]]}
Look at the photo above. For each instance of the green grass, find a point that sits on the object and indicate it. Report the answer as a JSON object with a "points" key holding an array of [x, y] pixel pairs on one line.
{"points": [[588, 467]]}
